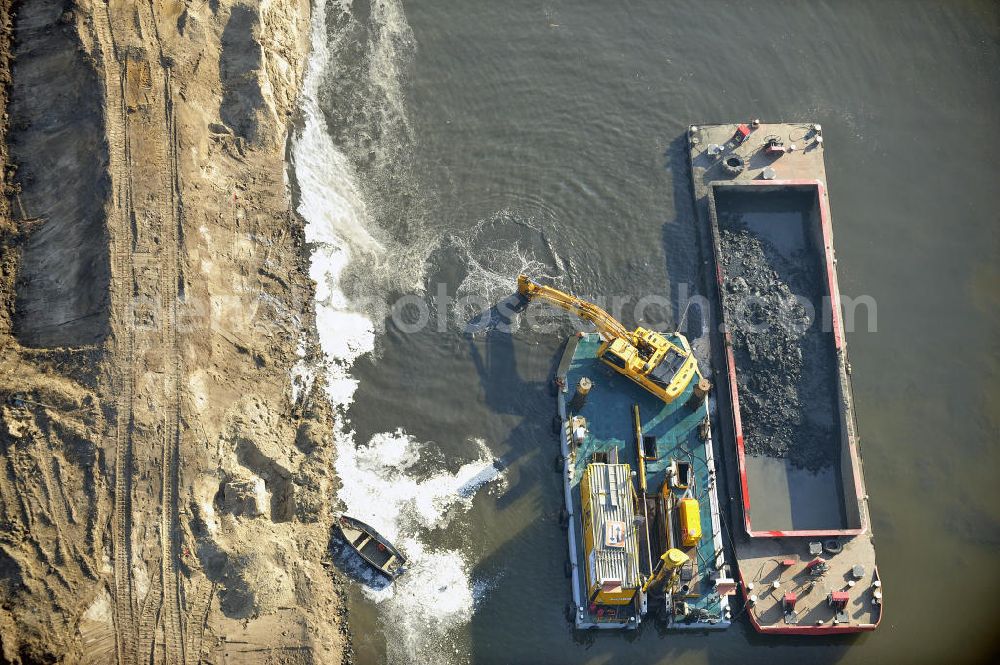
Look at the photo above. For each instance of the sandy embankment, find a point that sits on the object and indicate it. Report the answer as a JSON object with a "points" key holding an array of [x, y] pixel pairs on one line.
{"points": [[163, 489]]}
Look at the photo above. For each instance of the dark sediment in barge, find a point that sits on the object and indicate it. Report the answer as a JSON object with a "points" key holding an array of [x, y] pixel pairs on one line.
{"points": [[773, 300]]}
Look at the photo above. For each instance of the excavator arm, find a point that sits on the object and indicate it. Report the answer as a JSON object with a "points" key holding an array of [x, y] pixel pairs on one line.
{"points": [[606, 324], [661, 366]]}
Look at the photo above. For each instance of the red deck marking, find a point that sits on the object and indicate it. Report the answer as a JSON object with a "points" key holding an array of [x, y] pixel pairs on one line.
{"points": [[825, 629]]}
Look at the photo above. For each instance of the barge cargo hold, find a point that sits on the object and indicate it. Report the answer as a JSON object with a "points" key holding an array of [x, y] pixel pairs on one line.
{"points": [[640, 486], [792, 457]]}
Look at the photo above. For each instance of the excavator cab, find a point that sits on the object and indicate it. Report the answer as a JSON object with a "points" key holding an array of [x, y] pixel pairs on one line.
{"points": [[618, 353], [664, 369]]}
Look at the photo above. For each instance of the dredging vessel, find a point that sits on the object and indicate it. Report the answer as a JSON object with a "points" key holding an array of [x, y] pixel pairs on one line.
{"points": [[790, 448], [642, 514]]}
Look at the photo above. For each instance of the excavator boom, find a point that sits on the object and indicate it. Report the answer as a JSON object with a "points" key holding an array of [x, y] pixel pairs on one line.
{"points": [[606, 324]]}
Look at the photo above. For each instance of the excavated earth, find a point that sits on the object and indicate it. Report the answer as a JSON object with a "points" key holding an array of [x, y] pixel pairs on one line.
{"points": [[784, 359], [163, 492]]}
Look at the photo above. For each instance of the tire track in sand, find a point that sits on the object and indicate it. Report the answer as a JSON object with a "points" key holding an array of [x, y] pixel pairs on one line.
{"points": [[120, 213], [169, 541], [144, 221]]}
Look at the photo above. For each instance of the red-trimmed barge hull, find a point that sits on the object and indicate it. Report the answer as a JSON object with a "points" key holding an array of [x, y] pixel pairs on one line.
{"points": [[783, 510]]}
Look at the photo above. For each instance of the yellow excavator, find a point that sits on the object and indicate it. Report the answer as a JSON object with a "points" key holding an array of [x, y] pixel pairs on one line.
{"points": [[645, 356]]}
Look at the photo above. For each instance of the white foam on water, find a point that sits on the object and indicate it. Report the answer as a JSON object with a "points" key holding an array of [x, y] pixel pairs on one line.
{"points": [[382, 485], [437, 593], [420, 610], [388, 492], [385, 482], [494, 252], [335, 217]]}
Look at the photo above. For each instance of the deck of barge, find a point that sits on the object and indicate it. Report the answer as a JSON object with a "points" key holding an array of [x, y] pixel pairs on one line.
{"points": [[777, 508], [675, 426]]}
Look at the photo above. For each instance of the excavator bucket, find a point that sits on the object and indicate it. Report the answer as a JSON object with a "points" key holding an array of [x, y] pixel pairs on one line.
{"points": [[525, 286]]}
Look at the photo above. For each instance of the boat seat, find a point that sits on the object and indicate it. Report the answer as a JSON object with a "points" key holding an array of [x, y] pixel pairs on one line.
{"points": [[364, 541]]}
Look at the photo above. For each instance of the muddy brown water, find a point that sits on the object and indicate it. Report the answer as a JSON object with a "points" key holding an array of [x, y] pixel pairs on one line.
{"points": [[556, 129], [568, 116]]}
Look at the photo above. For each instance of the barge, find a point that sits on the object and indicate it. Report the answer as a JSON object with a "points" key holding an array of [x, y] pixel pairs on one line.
{"points": [[804, 547], [642, 515]]}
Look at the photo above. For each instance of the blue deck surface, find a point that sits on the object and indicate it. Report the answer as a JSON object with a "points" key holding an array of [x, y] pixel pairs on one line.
{"points": [[608, 410]]}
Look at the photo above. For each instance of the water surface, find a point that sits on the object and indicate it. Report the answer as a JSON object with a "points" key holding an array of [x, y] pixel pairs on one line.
{"points": [[470, 140]]}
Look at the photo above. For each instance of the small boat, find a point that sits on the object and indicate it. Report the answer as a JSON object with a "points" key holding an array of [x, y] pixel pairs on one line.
{"points": [[372, 547]]}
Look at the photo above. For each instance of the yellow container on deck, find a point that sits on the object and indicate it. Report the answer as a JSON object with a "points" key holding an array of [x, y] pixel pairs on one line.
{"points": [[690, 517]]}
